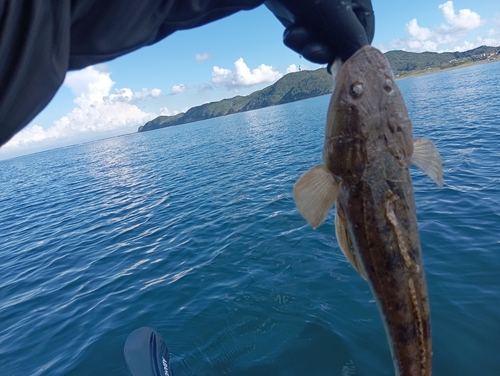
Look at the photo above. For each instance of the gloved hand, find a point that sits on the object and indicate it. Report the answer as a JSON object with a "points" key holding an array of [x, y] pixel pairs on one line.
{"points": [[322, 30]]}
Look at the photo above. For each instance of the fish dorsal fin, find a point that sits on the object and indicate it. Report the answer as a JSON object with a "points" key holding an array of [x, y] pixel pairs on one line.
{"points": [[426, 157], [315, 193], [345, 241]]}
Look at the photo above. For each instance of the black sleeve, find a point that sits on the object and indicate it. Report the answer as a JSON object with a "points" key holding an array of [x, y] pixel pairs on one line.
{"points": [[40, 40], [34, 52]]}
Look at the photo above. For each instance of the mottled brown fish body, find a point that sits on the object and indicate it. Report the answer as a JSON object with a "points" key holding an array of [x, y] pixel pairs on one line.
{"points": [[367, 152], [393, 267], [368, 148]]}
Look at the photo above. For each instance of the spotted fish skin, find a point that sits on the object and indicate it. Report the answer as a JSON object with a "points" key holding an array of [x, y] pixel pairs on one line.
{"points": [[367, 152]]}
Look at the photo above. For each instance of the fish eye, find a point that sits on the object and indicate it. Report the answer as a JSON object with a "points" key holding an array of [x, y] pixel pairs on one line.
{"points": [[356, 90], [388, 85]]}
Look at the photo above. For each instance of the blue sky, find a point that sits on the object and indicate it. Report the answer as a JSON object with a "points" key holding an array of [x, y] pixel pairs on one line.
{"points": [[233, 56]]}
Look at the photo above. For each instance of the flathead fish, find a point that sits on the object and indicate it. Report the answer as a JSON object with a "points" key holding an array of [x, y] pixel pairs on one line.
{"points": [[368, 149]]}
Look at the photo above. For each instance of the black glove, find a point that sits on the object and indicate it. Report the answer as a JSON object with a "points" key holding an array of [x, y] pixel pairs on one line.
{"points": [[322, 30]]}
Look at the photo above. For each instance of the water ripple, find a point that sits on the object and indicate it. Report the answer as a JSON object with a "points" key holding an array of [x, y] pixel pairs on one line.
{"points": [[193, 230]]}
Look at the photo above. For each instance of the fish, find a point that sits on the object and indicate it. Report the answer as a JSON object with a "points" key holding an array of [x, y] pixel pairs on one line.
{"points": [[368, 149]]}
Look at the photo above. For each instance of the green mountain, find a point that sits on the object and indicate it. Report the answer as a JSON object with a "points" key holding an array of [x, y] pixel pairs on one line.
{"points": [[290, 88], [307, 84], [403, 62]]}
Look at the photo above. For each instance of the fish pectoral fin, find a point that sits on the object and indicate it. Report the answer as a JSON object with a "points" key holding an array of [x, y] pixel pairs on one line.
{"points": [[426, 157], [345, 241], [315, 193]]}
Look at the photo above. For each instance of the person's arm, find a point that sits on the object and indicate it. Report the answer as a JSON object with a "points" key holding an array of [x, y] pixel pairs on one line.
{"points": [[41, 40], [34, 52]]}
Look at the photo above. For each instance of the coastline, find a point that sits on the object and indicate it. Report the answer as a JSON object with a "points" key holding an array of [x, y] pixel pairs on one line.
{"points": [[201, 110], [437, 69]]}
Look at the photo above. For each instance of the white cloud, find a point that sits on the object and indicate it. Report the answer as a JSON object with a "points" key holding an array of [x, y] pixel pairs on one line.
{"points": [[419, 37], [448, 36], [91, 81], [464, 47], [416, 32], [204, 87], [176, 89], [427, 45], [382, 48], [181, 88], [145, 93], [496, 19], [241, 76], [464, 20], [202, 57], [292, 68], [448, 39], [221, 75], [97, 110], [164, 111], [492, 40]]}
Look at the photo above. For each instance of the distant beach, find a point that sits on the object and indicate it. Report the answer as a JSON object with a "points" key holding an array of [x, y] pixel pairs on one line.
{"points": [[416, 73]]}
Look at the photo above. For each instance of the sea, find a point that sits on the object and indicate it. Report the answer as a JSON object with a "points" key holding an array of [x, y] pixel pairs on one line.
{"points": [[192, 230]]}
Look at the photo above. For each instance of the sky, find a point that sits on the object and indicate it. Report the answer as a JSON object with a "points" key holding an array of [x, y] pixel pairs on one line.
{"points": [[233, 56]]}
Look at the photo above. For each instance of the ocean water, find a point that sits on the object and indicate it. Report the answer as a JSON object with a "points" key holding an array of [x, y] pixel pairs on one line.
{"points": [[193, 230]]}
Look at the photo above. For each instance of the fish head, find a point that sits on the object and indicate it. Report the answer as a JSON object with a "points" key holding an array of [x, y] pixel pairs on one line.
{"points": [[366, 116]]}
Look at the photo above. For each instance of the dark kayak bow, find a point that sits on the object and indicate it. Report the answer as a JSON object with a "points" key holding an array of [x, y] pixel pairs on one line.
{"points": [[146, 353]]}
